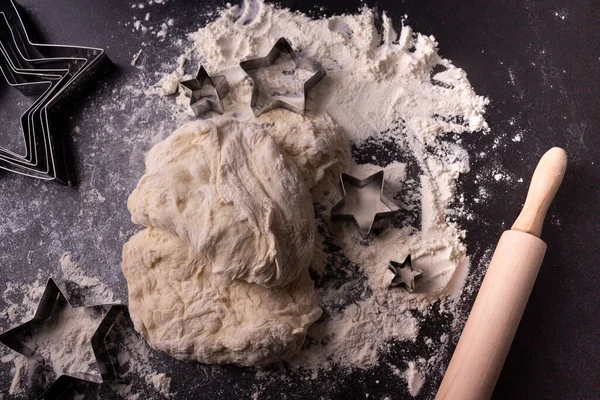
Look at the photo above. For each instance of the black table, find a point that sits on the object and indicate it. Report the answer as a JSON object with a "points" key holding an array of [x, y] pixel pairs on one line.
{"points": [[538, 62]]}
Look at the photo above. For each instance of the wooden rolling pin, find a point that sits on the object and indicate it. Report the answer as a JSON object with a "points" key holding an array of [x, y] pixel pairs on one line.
{"points": [[499, 306]]}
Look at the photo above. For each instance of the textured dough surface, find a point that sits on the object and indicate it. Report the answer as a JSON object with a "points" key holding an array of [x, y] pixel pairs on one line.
{"points": [[184, 309], [228, 192], [221, 273], [317, 145]]}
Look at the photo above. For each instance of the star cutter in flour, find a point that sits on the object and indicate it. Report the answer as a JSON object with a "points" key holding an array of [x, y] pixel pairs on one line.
{"points": [[366, 214], [51, 300], [405, 276], [282, 46], [49, 72], [206, 92]]}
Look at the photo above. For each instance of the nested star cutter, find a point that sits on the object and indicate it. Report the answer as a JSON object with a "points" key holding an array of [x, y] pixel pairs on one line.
{"points": [[263, 99], [44, 70], [367, 204], [51, 302]]}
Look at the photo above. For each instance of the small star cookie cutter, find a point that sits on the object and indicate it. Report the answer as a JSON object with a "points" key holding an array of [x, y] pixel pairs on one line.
{"points": [[206, 92], [282, 46], [405, 276], [367, 210], [51, 299]]}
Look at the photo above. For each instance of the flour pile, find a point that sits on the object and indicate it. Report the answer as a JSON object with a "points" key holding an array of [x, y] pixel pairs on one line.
{"points": [[389, 102], [75, 326], [401, 106]]}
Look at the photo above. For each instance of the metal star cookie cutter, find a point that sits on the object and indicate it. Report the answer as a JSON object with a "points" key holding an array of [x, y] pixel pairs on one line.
{"points": [[21, 51], [39, 145], [29, 55], [40, 161], [404, 274], [206, 92], [51, 299], [282, 46], [72, 63], [365, 213]]}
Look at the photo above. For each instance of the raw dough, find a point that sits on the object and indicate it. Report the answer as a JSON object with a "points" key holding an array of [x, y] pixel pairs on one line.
{"points": [[221, 273], [185, 310], [316, 144], [228, 191]]}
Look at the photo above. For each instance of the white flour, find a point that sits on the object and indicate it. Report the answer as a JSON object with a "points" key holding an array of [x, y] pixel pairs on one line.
{"points": [[90, 287], [387, 92], [414, 377], [74, 326], [382, 94]]}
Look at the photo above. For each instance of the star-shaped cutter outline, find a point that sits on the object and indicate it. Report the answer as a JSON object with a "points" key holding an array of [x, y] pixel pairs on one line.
{"points": [[13, 339], [378, 177], [400, 281], [71, 59], [20, 64], [28, 63], [202, 105], [33, 163], [282, 46]]}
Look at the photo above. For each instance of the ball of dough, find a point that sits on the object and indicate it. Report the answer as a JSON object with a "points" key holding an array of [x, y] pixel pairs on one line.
{"points": [[184, 309], [221, 273], [227, 190]]}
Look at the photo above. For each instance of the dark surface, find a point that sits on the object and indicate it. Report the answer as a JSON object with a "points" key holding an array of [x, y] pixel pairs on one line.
{"points": [[538, 62]]}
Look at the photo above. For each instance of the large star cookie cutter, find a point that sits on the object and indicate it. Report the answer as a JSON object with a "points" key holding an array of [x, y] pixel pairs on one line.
{"points": [[50, 72], [51, 302], [289, 100]]}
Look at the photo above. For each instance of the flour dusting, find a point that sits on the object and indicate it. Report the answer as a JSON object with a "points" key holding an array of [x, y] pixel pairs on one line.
{"points": [[395, 99], [64, 341], [403, 109]]}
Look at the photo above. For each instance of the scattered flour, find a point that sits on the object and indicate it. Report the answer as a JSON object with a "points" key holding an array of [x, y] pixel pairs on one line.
{"points": [[20, 301], [91, 288], [414, 378], [136, 367], [427, 101], [136, 57], [168, 84], [428, 105], [161, 382], [74, 326], [18, 370], [134, 361]]}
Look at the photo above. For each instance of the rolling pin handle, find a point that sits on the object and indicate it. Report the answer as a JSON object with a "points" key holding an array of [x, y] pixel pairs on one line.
{"points": [[545, 182]]}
